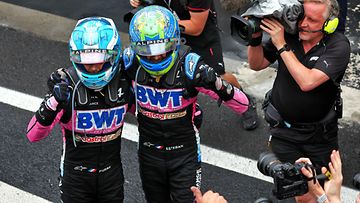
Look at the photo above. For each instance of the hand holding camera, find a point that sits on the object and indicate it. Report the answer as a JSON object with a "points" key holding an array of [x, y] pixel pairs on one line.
{"points": [[297, 179], [276, 31], [310, 174], [288, 179]]}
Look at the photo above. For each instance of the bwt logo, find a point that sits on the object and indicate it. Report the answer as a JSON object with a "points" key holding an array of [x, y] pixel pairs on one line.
{"points": [[162, 98], [100, 119]]}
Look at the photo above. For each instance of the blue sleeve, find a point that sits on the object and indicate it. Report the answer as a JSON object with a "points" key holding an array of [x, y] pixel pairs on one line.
{"points": [[128, 57], [190, 64]]}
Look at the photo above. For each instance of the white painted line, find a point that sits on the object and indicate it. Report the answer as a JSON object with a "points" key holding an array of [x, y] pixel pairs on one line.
{"points": [[210, 155], [43, 24], [12, 194], [19, 100]]}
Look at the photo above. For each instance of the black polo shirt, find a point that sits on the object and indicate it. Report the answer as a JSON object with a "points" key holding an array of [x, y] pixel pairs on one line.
{"points": [[331, 56]]}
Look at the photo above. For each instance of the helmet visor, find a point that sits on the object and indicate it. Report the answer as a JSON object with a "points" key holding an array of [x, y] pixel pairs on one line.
{"points": [[93, 56], [154, 47]]}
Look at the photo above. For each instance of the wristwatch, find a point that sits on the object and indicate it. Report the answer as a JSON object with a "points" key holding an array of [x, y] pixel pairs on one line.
{"points": [[282, 49], [322, 198]]}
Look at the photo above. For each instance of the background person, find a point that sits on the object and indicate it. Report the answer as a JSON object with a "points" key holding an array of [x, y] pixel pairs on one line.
{"points": [[329, 194], [342, 15], [167, 78], [302, 110], [88, 101], [208, 197], [198, 25]]}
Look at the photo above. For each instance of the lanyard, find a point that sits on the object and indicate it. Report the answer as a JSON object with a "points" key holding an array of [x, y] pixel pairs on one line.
{"points": [[168, 3]]}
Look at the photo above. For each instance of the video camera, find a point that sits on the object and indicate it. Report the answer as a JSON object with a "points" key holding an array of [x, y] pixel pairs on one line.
{"points": [[244, 28], [288, 178], [356, 181], [128, 16], [286, 11]]}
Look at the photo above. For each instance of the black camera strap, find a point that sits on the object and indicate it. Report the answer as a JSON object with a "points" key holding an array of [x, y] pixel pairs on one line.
{"points": [[326, 176], [312, 169]]}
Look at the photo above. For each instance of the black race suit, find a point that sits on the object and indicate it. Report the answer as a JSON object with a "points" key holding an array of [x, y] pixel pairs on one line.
{"points": [[169, 153], [91, 171]]}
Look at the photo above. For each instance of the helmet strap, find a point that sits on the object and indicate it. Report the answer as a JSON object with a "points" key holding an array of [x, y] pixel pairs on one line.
{"points": [[157, 78]]}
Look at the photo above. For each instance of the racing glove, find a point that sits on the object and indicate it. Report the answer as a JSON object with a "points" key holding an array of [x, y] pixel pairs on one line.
{"points": [[209, 79], [62, 93], [58, 99], [57, 76]]}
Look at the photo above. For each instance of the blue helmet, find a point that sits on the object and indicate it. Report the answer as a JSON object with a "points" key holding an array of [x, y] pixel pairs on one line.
{"points": [[154, 30], [95, 40]]}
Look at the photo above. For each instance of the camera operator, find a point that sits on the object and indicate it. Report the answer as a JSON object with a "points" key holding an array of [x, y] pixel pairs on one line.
{"points": [[342, 15], [304, 105], [198, 25]]}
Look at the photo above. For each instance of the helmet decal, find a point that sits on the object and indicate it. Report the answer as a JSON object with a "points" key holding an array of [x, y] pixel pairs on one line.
{"points": [[154, 30], [95, 40]]}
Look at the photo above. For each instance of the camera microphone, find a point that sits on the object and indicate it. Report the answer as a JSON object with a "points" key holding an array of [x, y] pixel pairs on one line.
{"points": [[310, 31]]}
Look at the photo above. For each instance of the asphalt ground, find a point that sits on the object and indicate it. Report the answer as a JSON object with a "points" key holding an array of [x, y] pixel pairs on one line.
{"points": [[26, 62]]}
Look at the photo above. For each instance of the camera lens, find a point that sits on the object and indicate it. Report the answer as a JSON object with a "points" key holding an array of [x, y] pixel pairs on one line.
{"points": [[242, 29], [356, 181], [267, 161], [254, 24]]}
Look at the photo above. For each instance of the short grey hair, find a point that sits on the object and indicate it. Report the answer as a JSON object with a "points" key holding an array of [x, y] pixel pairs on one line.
{"points": [[332, 9]]}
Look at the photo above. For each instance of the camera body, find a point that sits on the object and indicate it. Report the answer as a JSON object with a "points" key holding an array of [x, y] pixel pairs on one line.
{"points": [[287, 12], [288, 178], [128, 16]]}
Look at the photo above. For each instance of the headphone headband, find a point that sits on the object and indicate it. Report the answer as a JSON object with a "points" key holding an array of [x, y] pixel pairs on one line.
{"points": [[332, 21]]}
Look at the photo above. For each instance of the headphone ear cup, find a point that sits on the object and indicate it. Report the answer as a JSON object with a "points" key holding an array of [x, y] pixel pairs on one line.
{"points": [[330, 25]]}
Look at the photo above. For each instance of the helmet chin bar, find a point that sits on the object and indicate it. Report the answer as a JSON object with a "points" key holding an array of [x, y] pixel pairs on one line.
{"points": [[159, 68], [95, 81]]}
